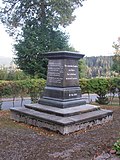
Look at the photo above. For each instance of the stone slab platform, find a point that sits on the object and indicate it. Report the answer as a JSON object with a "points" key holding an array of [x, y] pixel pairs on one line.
{"points": [[64, 125], [65, 112]]}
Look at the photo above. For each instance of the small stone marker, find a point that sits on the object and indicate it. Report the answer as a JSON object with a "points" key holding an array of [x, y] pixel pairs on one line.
{"points": [[61, 107]]}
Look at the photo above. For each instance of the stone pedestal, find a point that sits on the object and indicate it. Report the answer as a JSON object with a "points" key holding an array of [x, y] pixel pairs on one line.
{"points": [[61, 107], [62, 89]]}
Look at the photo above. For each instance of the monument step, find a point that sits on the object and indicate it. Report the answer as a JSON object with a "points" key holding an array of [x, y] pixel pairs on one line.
{"points": [[62, 104], [64, 112], [21, 114]]}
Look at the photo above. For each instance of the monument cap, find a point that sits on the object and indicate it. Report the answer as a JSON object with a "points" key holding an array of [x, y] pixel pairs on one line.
{"points": [[63, 54]]}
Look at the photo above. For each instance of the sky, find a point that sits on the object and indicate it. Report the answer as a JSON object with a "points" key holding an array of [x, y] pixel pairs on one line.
{"points": [[96, 27]]}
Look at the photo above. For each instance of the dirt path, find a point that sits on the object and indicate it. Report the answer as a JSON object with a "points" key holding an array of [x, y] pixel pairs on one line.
{"points": [[22, 142]]}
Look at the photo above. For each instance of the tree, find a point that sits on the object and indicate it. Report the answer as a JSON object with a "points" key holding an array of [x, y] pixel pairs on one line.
{"points": [[35, 42], [15, 13], [82, 68], [39, 20], [116, 57], [3, 73]]}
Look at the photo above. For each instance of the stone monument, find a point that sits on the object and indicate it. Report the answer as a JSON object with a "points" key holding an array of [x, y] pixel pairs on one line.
{"points": [[61, 107]]}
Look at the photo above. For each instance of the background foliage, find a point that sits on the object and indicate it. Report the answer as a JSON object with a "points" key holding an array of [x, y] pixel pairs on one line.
{"points": [[15, 14], [35, 42], [116, 57], [34, 88], [22, 88], [38, 25]]}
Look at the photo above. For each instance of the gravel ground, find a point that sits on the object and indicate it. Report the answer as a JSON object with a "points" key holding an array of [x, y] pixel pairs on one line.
{"points": [[19, 141]]}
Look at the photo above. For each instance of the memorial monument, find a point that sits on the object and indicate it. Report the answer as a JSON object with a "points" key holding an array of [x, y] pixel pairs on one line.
{"points": [[61, 107]]}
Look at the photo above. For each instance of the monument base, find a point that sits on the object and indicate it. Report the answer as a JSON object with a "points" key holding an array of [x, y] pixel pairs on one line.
{"points": [[64, 120], [62, 104]]}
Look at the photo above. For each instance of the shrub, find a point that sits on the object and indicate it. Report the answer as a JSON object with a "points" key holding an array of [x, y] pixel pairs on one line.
{"points": [[115, 87], [32, 87], [100, 87], [117, 147], [85, 85], [36, 87]]}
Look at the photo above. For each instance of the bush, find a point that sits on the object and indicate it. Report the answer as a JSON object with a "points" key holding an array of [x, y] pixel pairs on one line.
{"points": [[85, 85], [100, 87], [117, 147], [22, 88], [115, 87], [102, 100], [36, 87]]}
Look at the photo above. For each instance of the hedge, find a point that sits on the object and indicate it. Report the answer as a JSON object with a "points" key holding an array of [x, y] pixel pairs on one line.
{"points": [[34, 88], [22, 88], [101, 86]]}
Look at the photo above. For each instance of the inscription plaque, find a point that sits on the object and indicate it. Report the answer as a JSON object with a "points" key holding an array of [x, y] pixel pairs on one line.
{"points": [[71, 77], [55, 73], [62, 73]]}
